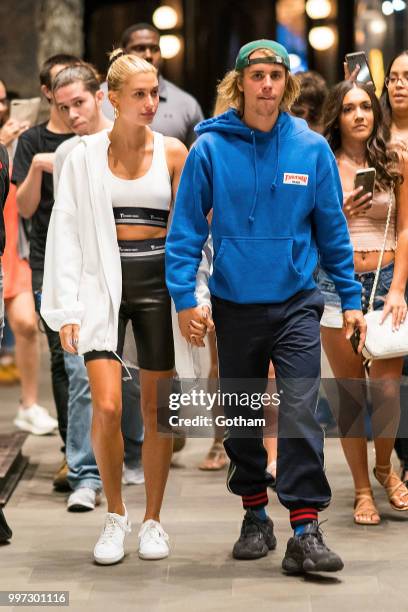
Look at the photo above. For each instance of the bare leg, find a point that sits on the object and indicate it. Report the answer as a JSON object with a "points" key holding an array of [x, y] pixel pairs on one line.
{"points": [[386, 375], [347, 365], [157, 449], [23, 322], [107, 441]]}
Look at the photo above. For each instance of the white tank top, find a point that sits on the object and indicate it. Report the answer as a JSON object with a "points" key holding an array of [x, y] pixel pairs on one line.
{"points": [[145, 200]]}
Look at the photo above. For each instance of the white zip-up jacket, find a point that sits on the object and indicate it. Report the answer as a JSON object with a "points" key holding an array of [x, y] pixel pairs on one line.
{"points": [[82, 275]]}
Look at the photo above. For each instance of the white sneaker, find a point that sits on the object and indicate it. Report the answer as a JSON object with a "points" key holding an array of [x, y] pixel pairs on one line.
{"points": [[153, 541], [83, 499], [132, 476], [35, 419], [109, 548]]}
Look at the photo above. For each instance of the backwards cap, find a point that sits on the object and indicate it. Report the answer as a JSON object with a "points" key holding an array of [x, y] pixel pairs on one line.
{"points": [[280, 54]]}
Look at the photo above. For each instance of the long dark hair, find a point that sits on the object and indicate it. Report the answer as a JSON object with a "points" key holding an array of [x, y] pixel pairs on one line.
{"points": [[378, 156], [385, 99]]}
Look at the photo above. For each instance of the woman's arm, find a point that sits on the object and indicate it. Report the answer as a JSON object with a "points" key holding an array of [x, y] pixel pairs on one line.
{"points": [[395, 301], [176, 155], [60, 305]]}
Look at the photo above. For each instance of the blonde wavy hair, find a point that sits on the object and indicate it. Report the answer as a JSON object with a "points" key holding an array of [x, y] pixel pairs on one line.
{"points": [[122, 66], [230, 96]]}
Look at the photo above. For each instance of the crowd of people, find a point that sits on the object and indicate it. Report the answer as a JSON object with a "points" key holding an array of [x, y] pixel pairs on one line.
{"points": [[154, 233]]}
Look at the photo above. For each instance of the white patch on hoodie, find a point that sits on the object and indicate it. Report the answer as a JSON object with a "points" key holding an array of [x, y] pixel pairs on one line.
{"points": [[290, 178]]}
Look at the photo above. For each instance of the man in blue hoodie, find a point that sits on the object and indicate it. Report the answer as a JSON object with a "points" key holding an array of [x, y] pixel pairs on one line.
{"points": [[274, 190]]}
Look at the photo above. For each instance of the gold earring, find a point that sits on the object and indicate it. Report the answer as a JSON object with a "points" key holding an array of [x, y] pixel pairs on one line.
{"points": [[115, 112]]}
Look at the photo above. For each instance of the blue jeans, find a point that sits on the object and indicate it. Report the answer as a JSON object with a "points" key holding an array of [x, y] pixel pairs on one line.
{"points": [[83, 471]]}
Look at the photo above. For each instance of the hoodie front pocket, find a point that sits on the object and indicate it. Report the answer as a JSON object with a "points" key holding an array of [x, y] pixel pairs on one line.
{"points": [[253, 270]]}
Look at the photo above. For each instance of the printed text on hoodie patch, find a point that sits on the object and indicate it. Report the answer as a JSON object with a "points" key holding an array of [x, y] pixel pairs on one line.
{"points": [[290, 178]]}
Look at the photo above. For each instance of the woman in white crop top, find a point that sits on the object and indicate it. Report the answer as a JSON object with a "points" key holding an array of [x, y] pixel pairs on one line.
{"points": [[354, 129], [108, 270]]}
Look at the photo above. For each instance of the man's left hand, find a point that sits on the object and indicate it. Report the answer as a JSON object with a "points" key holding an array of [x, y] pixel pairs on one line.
{"points": [[352, 320]]}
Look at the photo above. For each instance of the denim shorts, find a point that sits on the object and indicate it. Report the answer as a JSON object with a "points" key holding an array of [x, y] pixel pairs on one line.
{"points": [[332, 315]]}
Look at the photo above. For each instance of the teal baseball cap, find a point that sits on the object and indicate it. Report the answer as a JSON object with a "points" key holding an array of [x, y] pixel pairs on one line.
{"points": [[280, 54]]}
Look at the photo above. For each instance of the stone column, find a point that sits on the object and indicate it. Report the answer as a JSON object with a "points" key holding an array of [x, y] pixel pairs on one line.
{"points": [[60, 28]]}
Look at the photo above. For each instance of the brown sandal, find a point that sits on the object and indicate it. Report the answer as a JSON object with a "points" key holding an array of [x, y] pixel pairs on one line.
{"points": [[364, 506], [394, 487], [216, 458]]}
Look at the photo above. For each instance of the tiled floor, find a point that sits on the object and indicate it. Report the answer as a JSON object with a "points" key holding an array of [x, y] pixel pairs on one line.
{"points": [[51, 548]]}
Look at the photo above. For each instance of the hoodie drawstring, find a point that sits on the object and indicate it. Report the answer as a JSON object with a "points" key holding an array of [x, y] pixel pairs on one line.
{"points": [[252, 212], [129, 376], [251, 217], [275, 178]]}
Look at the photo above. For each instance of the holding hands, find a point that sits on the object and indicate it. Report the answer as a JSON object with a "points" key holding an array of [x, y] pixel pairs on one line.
{"points": [[194, 323]]}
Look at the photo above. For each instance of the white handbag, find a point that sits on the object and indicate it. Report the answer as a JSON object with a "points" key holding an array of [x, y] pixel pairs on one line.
{"points": [[381, 342]]}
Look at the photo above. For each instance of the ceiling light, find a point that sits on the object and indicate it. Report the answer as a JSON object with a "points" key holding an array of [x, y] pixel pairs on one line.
{"points": [[399, 5], [170, 45], [387, 8], [165, 18], [321, 38], [377, 26], [295, 61], [318, 9]]}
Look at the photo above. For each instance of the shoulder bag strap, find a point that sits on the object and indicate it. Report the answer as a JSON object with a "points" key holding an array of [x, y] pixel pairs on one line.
{"points": [[377, 274]]}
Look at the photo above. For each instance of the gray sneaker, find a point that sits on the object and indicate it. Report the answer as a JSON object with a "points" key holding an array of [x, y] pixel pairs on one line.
{"points": [[256, 538]]}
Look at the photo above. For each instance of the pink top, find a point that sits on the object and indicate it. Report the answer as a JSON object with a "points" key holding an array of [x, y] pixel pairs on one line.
{"points": [[367, 229]]}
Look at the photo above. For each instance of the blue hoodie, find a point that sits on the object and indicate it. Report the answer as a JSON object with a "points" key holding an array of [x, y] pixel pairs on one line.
{"points": [[277, 207]]}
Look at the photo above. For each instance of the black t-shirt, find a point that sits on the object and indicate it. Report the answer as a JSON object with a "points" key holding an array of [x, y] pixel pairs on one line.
{"points": [[4, 188], [37, 140]]}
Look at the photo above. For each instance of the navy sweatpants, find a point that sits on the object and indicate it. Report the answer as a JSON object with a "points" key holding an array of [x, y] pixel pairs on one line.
{"points": [[248, 337]]}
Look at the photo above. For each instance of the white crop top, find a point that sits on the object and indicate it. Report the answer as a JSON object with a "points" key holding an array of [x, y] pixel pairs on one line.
{"points": [[145, 200]]}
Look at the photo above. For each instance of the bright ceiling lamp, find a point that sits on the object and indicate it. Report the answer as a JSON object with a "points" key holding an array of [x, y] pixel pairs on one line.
{"points": [[377, 25], [398, 5], [165, 18], [295, 61], [321, 38], [170, 45], [318, 9], [387, 8]]}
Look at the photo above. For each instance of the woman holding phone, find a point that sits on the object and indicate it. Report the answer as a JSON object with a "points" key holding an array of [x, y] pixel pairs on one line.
{"points": [[354, 129], [394, 101]]}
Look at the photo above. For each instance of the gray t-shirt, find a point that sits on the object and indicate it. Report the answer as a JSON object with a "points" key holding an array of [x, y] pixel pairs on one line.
{"points": [[177, 115]]}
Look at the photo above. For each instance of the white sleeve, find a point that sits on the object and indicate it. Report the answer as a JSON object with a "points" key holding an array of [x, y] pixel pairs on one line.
{"points": [[56, 173], [202, 291], [63, 257]]}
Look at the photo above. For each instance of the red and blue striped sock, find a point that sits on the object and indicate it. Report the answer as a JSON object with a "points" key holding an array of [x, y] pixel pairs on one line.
{"points": [[302, 516]]}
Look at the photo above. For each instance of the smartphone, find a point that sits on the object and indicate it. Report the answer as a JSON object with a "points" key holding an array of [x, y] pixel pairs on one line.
{"points": [[25, 110], [360, 58], [355, 340], [364, 178]]}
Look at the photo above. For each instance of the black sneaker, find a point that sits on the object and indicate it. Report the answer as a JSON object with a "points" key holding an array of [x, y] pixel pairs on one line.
{"points": [[256, 538], [308, 553]]}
